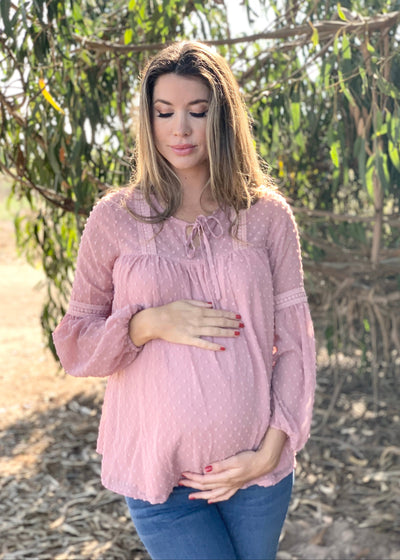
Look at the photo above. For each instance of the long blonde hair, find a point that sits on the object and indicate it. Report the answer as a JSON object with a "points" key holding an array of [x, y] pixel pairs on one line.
{"points": [[236, 177]]}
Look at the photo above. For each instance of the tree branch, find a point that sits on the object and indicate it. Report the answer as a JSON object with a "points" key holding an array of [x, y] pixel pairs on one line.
{"points": [[326, 29], [56, 199], [12, 110], [392, 219]]}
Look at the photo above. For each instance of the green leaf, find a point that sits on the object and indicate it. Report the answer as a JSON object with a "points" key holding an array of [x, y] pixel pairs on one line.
{"points": [[346, 48], [327, 74], [265, 116], [388, 88], [128, 36], [132, 5], [344, 88], [76, 12], [53, 160], [335, 153], [394, 154], [296, 117], [378, 121], [340, 12], [364, 79], [370, 48], [393, 120], [336, 44], [314, 35], [383, 171], [369, 176], [5, 15]]}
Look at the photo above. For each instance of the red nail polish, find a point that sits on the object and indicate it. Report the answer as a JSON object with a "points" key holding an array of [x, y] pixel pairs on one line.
{"points": [[192, 498], [209, 302], [208, 468], [241, 325], [222, 348], [238, 316], [237, 333]]}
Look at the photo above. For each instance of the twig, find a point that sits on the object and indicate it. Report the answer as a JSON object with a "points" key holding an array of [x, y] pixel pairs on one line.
{"points": [[336, 392]]}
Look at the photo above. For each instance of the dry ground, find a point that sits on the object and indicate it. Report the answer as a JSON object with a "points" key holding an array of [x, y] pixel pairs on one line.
{"points": [[346, 503]]}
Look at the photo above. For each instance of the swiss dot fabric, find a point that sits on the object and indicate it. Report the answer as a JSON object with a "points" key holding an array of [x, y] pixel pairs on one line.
{"points": [[171, 408]]}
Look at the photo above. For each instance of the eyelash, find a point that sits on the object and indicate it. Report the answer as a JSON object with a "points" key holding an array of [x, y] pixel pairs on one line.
{"points": [[196, 115]]}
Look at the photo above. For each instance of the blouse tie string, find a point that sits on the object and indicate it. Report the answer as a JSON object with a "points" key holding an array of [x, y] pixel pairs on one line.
{"points": [[203, 228]]}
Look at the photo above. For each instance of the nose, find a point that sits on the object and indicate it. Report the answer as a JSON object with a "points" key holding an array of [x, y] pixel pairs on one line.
{"points": [[182, 125]]}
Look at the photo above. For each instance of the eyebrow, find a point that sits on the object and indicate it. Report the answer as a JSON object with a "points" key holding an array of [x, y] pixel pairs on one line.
{"points": [[195, 102]]}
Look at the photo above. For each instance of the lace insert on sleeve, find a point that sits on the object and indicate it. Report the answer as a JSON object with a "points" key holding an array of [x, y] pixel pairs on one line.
{"points": [[292, 297], [78, 309]]}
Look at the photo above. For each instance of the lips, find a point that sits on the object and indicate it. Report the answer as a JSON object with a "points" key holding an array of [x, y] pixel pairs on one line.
{"points": [[183, 149]]}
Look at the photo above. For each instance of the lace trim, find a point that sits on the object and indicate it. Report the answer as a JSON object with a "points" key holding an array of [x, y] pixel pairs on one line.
{"points": [[145, 230], [241, 241], [78, 309], [292, 297]]}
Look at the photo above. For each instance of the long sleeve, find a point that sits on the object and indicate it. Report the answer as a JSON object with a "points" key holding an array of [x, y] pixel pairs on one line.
{"points": [[93, 338], [293, 376]]}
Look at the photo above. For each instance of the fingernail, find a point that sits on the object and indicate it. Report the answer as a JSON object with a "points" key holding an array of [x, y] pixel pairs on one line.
{"points": [[180, 484], [238, 316], [209, 302], [192, 498], [208, 468], [237, 333], [241, 325], [222, 348]]}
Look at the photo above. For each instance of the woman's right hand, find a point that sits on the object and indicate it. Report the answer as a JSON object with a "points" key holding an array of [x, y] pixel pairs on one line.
{"points": [[184, 322]]}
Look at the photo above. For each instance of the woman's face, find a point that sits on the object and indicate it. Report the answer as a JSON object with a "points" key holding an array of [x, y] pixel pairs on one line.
{"points": [[180, 107]]}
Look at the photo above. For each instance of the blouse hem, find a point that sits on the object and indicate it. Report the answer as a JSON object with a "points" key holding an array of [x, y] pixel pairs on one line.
{"points": [[134, 492]]}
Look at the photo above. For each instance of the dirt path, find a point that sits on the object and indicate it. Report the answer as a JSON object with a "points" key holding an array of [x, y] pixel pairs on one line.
{"points": [[29, 377], [52, 506]]}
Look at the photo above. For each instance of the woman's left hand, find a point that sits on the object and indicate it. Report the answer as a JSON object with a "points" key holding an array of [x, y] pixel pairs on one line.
{"points": [[223, 479]]}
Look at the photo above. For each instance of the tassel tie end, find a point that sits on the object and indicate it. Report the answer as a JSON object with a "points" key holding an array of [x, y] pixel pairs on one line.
{"points": [[203, 229]]}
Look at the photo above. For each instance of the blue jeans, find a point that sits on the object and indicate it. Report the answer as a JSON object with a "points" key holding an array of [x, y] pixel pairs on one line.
{"points": [[245, 527]]}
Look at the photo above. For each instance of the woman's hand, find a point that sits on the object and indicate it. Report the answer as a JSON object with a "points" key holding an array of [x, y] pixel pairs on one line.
{"points": [[184, 322], [224, 478]]}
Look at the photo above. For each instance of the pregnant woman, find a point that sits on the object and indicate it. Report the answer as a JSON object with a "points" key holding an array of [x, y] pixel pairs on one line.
{"points": [[189, 297]]}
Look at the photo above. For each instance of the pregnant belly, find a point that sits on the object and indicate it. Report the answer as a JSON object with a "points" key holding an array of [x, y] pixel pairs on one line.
{"points": [[199, 400]]}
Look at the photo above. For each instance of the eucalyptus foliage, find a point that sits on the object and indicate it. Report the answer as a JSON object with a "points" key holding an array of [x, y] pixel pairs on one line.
{"points": [[322, 82]]}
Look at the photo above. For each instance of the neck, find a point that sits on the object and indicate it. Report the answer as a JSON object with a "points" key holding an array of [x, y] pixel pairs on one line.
{"points": [[193, 183], [195, 189], [196, 197]]}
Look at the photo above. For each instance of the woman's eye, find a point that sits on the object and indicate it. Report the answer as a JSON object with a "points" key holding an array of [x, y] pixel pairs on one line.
{"points": [[192, 114]]}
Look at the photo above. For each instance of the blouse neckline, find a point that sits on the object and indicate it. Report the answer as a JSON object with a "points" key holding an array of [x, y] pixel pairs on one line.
{"points": [[200, 217], [185, 223]]}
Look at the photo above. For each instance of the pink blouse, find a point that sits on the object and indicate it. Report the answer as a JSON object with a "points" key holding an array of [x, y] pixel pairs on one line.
{"points": [[171, 408]]}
